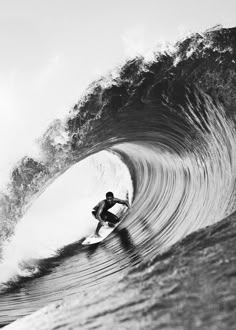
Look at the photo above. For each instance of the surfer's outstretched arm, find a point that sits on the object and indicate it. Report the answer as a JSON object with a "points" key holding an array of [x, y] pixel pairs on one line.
{"points": [[122, 201]]}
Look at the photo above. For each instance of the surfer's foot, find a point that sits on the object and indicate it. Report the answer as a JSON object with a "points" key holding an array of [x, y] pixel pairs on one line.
{"points": [[96, 235]]}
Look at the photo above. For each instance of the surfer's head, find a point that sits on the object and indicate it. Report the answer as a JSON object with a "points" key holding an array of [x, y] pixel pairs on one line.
{"points": [[109, 196]]}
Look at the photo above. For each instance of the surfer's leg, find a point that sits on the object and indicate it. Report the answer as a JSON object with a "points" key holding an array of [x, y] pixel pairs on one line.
{"points": [[98, 228], [94, 213], [111, 218]]}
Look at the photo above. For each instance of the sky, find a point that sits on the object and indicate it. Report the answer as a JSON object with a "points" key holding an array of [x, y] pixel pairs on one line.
{"points": [[51, 50]]}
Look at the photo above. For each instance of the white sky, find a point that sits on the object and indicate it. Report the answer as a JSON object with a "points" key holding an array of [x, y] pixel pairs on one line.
{"points": [[52, 49]]}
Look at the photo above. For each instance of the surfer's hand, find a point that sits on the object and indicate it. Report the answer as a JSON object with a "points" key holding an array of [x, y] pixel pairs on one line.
{"points": [[128, 205]]}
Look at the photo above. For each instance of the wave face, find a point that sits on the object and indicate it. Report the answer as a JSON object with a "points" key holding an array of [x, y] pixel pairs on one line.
{"points": [[172, 124]]}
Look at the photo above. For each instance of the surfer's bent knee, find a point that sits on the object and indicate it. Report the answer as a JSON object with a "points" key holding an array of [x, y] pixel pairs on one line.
{"points": [[94, 213]]}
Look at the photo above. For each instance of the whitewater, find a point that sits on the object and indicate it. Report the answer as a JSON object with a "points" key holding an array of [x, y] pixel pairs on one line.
{"points": [[160, 133]]}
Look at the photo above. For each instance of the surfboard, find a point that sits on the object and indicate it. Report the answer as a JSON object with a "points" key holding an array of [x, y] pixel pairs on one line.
{"points": [[103, 232]]}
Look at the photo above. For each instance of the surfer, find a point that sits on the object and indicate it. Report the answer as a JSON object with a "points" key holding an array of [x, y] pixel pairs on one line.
{"points": [[101, 213]]}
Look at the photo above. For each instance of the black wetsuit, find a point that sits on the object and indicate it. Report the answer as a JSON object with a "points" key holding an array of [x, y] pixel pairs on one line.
{"points": [[106, 215]]}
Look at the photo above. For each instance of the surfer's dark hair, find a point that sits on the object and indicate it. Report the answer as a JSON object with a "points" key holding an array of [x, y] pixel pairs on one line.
{"points": [[109, 194]]}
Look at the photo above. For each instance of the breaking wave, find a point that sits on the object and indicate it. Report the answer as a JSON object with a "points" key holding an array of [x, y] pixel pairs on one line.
{"points": [[161, 133]]}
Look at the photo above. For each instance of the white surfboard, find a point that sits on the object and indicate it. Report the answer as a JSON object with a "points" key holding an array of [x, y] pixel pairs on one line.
{"points": [[103, 232]]}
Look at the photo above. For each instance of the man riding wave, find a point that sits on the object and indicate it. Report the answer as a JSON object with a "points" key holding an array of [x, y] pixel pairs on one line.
{"points": [[101, 213]]}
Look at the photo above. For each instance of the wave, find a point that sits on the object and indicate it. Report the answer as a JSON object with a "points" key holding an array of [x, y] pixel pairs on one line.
{"points": [[172, 123]]}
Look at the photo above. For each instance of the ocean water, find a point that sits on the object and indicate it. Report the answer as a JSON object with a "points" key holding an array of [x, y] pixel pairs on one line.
{"points": [[162, 134]]}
